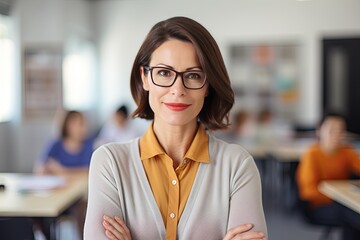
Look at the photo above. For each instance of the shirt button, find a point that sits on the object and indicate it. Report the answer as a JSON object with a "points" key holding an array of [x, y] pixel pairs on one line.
{"points": [[173, 182], [172, 215], [185, 161]]}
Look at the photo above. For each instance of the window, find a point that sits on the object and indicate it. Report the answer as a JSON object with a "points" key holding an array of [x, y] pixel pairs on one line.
{"points": [[78, 75], [7, 80]]}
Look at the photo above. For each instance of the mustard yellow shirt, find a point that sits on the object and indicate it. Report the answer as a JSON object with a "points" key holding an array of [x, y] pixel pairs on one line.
{"points": [[171, 187]]}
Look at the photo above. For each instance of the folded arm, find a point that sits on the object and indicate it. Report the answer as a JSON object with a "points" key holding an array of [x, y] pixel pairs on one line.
{"points": [[103, 195]]}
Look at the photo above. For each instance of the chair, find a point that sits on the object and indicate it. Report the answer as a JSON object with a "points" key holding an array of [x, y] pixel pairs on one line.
{"points": [[307, 216], [16, 229], [305, 212]]}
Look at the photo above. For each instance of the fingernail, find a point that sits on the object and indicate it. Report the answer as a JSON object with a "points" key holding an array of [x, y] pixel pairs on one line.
{"points": [[261, 234], [106, 223], [105, 217], [117, 218], [249, 225]]}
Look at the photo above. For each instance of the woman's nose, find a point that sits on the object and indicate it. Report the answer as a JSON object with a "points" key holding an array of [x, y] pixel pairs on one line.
{"points": [[178, 87]]}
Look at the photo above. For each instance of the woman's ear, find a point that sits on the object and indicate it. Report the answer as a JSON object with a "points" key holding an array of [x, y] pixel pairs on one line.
{"points": [[144, 78]]}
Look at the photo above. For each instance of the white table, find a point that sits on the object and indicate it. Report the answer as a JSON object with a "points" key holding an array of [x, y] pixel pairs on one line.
{"points": [[50, 203]]}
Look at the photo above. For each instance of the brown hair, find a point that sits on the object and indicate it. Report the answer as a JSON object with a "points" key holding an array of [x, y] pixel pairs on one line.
{"points": [[215, 112], [69, 116]]}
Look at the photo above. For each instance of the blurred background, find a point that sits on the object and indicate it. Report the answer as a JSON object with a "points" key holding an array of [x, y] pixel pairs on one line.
{"points": [[289, 61]]}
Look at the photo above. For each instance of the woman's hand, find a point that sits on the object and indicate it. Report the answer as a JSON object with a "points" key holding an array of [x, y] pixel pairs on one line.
{"points": [[242, 232], [115, 228]]}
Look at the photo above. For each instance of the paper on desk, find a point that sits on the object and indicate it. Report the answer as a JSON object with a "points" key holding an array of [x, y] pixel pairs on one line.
{"points": [[39, 183]]}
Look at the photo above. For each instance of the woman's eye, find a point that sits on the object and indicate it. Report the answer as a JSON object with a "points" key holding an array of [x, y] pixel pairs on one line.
{"points": [[164, 73], [193, 76]]}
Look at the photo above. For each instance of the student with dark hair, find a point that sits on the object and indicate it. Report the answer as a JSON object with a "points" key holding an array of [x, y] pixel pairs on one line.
{"points": [[177, 181], [119, 128], [123, 110], [71, 151], [69, 154], [329, 159]]}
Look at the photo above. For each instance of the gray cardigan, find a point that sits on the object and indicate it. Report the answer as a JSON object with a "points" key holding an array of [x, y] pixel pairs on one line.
{"points": [[226, 193]]}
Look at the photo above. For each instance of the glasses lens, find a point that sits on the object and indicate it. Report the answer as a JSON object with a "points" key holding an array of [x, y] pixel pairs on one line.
{"points": [[194, 79], [163, 76]]}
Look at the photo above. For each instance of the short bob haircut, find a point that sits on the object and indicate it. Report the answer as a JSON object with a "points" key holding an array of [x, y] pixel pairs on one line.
{"points": [[220, 99]]}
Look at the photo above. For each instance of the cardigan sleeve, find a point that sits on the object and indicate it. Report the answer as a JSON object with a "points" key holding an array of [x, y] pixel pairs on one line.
{"points": [[103, 195], [246, 198]]}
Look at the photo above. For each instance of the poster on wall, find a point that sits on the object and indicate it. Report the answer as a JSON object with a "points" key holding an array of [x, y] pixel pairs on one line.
{"points": [[42, 95], [265, 76]]}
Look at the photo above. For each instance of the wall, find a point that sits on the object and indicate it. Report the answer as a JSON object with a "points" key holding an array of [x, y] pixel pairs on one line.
{"points": [[38, 23], [122, 26]]}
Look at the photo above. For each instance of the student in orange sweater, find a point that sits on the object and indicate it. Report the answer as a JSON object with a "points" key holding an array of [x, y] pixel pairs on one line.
{"points": [[330, 158]]}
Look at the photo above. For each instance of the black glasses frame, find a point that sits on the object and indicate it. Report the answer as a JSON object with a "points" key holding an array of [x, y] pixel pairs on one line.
{"points": [[150, 69]]}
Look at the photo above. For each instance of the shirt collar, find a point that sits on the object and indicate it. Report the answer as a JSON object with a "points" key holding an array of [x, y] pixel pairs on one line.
{"points": [[149, 145], [198, 150]]}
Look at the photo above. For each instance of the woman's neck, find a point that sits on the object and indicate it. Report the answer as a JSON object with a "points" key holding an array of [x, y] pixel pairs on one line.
{"points": [[72, 144], [328, 149], [175, 140]]}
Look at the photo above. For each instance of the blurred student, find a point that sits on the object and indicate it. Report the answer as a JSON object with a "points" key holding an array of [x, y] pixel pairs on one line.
{"points": [[241, 118], [119, 129], [266, 127], [68, 155], [71, 152], [329, 159], [241, 131]]}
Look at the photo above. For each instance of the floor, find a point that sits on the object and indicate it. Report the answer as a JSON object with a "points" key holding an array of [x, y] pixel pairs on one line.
{"points": [[287, 224]]}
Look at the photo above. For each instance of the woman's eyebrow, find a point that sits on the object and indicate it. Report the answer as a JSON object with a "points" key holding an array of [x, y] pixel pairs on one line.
{"points": [[165, 65], [191, 68], [171, 67]]}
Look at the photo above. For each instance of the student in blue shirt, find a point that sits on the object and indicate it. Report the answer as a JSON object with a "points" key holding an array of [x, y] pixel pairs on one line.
{"points": [[71, 152]]}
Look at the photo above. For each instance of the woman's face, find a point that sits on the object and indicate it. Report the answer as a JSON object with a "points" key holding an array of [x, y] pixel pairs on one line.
{"points": [[331, 132], [175, 105], [76, 127]]}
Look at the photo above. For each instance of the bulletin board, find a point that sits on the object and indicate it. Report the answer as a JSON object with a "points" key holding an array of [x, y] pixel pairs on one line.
{"points": [[42, 88], [266, 75]]}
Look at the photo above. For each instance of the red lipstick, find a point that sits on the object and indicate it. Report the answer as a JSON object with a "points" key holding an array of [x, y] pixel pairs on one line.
{"points": [[177, 106]]}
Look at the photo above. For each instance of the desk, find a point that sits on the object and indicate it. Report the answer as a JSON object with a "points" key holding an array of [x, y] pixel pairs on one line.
{"points": [[50, 204], [291, 151], [284, 151], [342, 191]]}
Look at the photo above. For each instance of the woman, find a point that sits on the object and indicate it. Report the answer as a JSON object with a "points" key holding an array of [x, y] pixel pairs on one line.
{"points": [[177, 181], [71, 153]]}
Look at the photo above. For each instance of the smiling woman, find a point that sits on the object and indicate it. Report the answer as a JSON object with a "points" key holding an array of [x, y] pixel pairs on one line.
{"points": [[177, 181]]}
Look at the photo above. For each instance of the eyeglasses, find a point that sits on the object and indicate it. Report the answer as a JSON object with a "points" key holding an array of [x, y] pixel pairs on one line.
{"points": [[166, 77]]}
